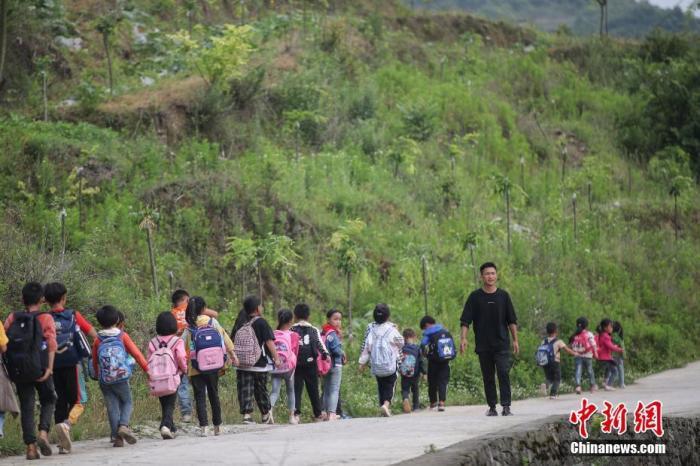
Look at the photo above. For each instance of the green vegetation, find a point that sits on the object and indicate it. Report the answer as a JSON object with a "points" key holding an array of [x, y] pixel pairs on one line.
{"points": [[628, 18], [338, 149]]}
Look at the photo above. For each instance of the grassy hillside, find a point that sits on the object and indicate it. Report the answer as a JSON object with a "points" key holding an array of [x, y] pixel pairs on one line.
{"points": [[355, 140], [626, 18]]}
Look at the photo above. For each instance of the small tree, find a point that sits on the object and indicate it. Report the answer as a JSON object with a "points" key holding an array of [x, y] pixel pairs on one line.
{"points": [[503, 187], [603, 4], [219, 59], [403, 151], [469, 243], [149, 225], [273, 253], [348, 256], [678, 185], [105, 26]]}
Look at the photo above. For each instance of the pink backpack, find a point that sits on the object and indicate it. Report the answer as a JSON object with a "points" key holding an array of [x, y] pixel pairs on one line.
{"points": [[246, 346], [163, 373], [582, 343], [283, 343], [323, 366]]}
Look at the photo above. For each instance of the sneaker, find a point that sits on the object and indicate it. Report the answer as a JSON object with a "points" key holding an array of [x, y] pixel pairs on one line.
{"points": [[441, 407], [217, 431], [118, 442], [345, 417], [126, 434], [578, 389], [187, 418], [202, 431], [621, 386], [553, 397], [506, 411], [166, 434], [319, 419], [293, 419], [42, 441], [608, 388], [64, 441], [32, 453], [384, 410], [248, 419], [333, 417], [406, 406], [594, 388], [492, 412], [267, 418], [433, 406]]}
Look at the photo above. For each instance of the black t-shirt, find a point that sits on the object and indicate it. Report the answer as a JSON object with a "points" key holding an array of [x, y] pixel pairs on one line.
{"points": [[263, 332], [491, 314]]}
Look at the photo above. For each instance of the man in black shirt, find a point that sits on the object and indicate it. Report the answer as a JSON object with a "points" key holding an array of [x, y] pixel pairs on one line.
{"points": [[491, 311]]}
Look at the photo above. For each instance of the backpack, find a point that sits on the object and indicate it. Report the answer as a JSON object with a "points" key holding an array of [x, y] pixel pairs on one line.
{"points": [[26, 357], [163, 373], [442, 346], [112, 360], [382, 356], [581, 344], [408, 367], [283, 344], [306, 354], [71, 343], [207, 352], [246, 345], [323, 366], [545, 353]]}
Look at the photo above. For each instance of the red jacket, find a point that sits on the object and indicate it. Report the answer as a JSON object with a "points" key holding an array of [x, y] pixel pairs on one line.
{"points": [[606, 347]]}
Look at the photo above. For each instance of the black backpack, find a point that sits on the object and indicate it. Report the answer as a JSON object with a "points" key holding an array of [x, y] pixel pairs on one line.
{"points": [[26, 357], [307, 353]]}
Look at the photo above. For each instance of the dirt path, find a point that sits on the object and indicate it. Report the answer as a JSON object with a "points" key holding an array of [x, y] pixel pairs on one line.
{"points": [[373, 441]]}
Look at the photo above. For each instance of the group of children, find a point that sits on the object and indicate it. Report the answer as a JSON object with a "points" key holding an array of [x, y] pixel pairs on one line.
{"points": [[43, 354], [606, 346]]}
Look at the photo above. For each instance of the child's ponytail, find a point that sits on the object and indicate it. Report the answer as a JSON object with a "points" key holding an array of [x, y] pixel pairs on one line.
{"points": [[581, 325], [603, 325], [195, 306]]}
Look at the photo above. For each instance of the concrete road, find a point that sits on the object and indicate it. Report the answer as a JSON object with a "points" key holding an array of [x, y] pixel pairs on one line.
{"points": [[374, 441]]}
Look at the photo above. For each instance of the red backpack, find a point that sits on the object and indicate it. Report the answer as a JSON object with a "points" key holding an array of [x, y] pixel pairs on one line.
{"points": [[288, 359], [323, 366]]}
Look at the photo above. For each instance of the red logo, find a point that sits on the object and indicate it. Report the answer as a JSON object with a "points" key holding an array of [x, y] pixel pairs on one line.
{"points": [[646, 418]]}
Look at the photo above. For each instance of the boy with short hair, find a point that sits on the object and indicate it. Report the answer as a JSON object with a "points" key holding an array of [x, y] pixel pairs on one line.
{"points": [[179, 299], [66, 376], [410, 368], [552, 371], [109, 354], [43, 348], [439, 348]]}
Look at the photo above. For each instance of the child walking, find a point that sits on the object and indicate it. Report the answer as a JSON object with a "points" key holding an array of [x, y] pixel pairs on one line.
{"points": [[180, 299], [8, 402], [254, 341], [332, 332], [439, 347], [109, 359], [583, 343], [207, 344], [70, 351], [410, 368], [167, 349], [30, 356], [605, 349], [552, 370], [310, 348], [618, 339], [287, 345], [382, 350]]}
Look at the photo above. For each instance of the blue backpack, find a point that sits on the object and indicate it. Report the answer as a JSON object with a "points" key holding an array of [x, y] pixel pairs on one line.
{"points": [[71, 344], [112, 360], [442, 347], [207, 353], [545, 353], [408, 367]]}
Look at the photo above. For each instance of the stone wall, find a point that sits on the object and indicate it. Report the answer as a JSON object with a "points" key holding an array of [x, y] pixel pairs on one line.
{"points": [[548, 443]]}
